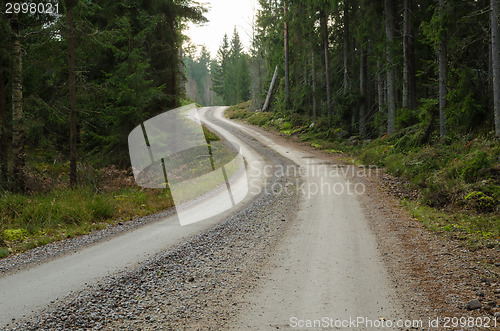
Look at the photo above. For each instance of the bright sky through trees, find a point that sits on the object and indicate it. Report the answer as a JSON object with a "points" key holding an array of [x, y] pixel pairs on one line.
{"points": [[223, 16]]}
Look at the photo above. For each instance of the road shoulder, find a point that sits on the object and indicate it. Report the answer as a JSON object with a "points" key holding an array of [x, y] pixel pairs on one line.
{"points": [[434, 276]]}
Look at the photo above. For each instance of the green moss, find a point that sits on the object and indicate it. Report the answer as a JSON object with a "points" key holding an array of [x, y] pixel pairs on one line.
{"points": [[14, 235], [259, 119], [375, 155], [395, 164], [475, 162], [286, 126], [209, 135], [480, 201], [4, 252], [477, 231]]}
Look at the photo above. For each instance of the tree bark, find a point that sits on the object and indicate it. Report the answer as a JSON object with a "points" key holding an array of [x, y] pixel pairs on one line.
{"points": [[380, 86], [3, 130], [182, 78], [495, 56], [315, 110], [391, 101], [346, 85], [409, 80], [17, 109], [362, 89], [72, 96], [270, 92], [443, 72], [287, 64], [324, 29]]}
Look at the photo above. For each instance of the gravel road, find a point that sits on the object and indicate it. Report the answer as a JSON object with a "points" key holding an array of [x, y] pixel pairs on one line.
{"points": [[204, 258], [285, 253]]}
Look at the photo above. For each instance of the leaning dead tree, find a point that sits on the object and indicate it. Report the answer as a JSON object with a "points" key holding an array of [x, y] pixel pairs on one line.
{"points": [[271, 88]]}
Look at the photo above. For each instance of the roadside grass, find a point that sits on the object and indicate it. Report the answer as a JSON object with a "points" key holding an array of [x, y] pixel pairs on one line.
{"points": [[29, 221], [240, 111], [458, 182], [51, 211], [475, 230]]}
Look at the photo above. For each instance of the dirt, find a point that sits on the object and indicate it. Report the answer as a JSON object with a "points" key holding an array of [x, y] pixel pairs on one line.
{"points": [[434, 275]]}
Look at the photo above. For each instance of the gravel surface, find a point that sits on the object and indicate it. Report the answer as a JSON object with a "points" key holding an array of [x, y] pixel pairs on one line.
{"points": [[434, 276], [196, 285], [191, 286], [202, 283]]}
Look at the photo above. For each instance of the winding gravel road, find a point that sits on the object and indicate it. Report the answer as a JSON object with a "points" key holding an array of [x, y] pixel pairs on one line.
{"points": [[289, 253]]}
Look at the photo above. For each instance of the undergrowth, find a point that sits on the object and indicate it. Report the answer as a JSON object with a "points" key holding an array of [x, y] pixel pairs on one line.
{"points": [[458, 182], [51, 211], [28, 221]]}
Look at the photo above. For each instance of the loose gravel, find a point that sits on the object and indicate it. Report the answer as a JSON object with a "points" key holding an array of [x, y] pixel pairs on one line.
{"points": [[189, 287], [196, 285]]}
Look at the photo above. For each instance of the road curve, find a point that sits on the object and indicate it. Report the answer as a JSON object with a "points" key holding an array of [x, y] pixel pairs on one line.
{"points": [[32, 289], [327, 265], [323, 263]]}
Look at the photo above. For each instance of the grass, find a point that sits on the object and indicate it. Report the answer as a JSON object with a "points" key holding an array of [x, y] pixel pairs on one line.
{"points": [[476, 230], [28, 221], [107, 196], [458, 182], [240, 111]]}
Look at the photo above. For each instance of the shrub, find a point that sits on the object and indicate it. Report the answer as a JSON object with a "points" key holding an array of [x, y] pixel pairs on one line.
{"points": [[480, 201], [4, 252], [15, 235], [479, 161], [395, 164], [286, 126], [259, 119], [375, 155]]}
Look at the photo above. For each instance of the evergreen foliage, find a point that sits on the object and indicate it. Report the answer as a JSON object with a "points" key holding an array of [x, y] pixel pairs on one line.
{"points": [[231, 79], [127, 68], [378, 63]]}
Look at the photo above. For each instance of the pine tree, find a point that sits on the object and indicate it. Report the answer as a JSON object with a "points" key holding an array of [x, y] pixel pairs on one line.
{"points": [[391, 94], [18, 138], [495, 49], [221, 67]]}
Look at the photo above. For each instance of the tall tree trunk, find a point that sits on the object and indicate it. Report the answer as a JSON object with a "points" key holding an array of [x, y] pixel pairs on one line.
{"points": [[3, 130], [182, 78], [380, 86], [17, 108], [495, 49], [362, 89], [391, 95], [324, 29], [287, 65], [443, 73], [72, 96], [385, 91], [346, 85], [409, 80], [490, 64], [315, 110]]}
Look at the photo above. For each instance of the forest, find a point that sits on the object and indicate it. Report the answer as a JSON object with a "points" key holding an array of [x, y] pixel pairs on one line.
{"points": [[410, 85], [74, 82], [373, 67]]}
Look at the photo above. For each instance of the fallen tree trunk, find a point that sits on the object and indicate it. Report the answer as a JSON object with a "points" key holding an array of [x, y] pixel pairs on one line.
{"points": [[271, 88]]}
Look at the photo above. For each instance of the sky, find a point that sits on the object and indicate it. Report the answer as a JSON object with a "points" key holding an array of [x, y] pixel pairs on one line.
{"points": [[223, 16]]}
